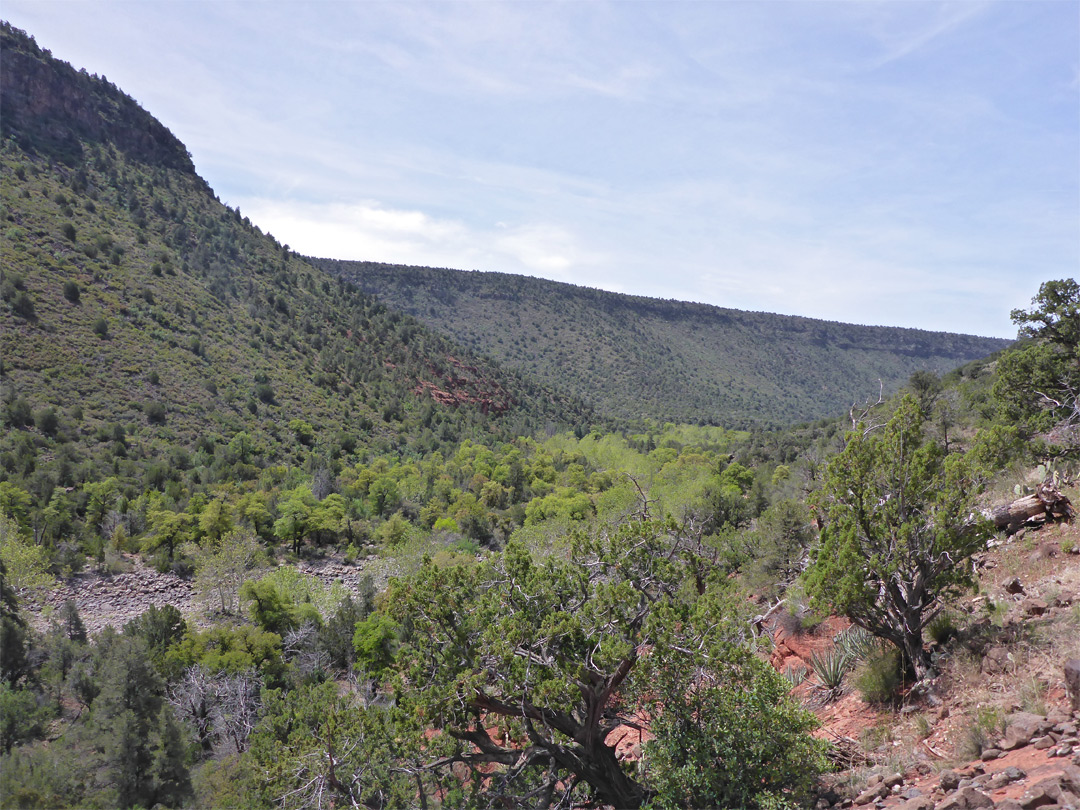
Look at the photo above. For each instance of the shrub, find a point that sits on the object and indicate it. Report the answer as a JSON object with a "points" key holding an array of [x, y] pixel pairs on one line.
{"points": [[23, 305], [1033, 696], [19, 413], [47, 421], [72, 292], [984, 731], [155, 413], [69, 231], [101, 328], [943, 628], [880, 676]]}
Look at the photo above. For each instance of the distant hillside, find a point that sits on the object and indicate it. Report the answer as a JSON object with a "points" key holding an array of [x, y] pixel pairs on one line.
{"points": [[637, 357], [145, 324]]}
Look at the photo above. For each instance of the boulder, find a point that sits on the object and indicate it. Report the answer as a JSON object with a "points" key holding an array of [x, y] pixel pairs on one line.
{"points": [[967, 798], [1021, 728], [1035, 607], [1072, 682], [1006, 777], [872, 794], [995, 661], [918, 803], [949, 780], [1060, 789], [1014, 586]]}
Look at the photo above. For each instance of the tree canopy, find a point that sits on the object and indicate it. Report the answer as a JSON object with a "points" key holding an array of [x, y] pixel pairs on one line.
{"points": [[899, 528]]}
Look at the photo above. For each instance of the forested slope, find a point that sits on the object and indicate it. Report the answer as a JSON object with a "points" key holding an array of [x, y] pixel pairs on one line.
{"points": [[145, 321], [638, 357]]}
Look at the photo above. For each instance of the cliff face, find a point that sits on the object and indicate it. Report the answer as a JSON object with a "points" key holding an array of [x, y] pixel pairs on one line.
{"points": [[51, 109]]}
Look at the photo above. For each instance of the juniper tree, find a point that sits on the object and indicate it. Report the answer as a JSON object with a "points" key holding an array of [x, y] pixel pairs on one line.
{"points": [[899, 529]]}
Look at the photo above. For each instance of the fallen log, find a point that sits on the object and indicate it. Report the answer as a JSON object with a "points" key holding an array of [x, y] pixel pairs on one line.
{"points": [[1047, 503]]}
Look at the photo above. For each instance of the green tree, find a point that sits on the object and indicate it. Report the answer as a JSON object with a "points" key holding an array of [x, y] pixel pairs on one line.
{"points": [[295, 516], [222, 566], [168, 529], [26, 564], [316, 747], [214, 520], [13, 634], [1038, 383], [708, 713], [899, 528], [375, 640], [549, 650], [132, 727], [1054, 316]]}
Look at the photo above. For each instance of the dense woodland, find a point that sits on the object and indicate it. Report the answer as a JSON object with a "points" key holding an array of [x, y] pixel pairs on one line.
{"points": [[181, 391], [643, 358]]}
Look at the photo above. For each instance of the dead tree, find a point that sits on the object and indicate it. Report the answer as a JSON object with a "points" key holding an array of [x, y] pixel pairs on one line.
{"points": [[1046, 504]]}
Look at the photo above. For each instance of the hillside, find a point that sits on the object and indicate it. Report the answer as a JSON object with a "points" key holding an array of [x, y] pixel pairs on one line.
{"points": [[635, 357], [145, 322]]}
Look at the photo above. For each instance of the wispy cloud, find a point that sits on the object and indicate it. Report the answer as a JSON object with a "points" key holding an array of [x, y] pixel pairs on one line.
{"points": [[370, 231], [892, 162]]}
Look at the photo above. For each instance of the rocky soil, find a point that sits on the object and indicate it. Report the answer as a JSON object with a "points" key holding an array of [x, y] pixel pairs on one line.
{"points": [[996, 728], [114, 599]]}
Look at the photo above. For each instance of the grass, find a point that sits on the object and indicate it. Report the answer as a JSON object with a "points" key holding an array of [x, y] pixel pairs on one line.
{"points": [[983, 729]]}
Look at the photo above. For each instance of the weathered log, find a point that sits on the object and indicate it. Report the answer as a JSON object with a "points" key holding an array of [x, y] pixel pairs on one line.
{"points": [[1047, 503]]}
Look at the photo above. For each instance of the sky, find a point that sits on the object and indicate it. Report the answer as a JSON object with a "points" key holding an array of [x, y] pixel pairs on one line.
{"points": [[901, 163]]}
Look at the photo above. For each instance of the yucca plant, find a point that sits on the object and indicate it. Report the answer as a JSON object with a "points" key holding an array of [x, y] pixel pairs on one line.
{"points": [[795, 675], [856, 643], [830, 668]]}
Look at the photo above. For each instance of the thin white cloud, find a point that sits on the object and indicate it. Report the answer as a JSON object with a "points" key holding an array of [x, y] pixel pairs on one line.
{"points": [[875, 161], [370, 231]]}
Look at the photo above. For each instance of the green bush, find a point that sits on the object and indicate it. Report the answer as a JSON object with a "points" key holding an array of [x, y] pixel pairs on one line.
{"points": [[879, 677], [23, 305], [155, 413], [101, 328], [943, 628], [47, 421], [72, 292], [982, 733]]}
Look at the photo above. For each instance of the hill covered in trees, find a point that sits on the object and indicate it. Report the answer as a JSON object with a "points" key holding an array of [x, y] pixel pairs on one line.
{"points": [[148, 324], [635, 357]]}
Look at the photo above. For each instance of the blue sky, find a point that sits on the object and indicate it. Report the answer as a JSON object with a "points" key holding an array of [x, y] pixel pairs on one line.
{"points": [[904, 163]]}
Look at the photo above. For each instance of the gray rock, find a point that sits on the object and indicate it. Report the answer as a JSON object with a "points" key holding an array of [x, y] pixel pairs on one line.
{"points": [[1021, 728], [1072, 682], [967, 798], [1061, 789], [950, 780], [871, 795], [995, 661]]}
